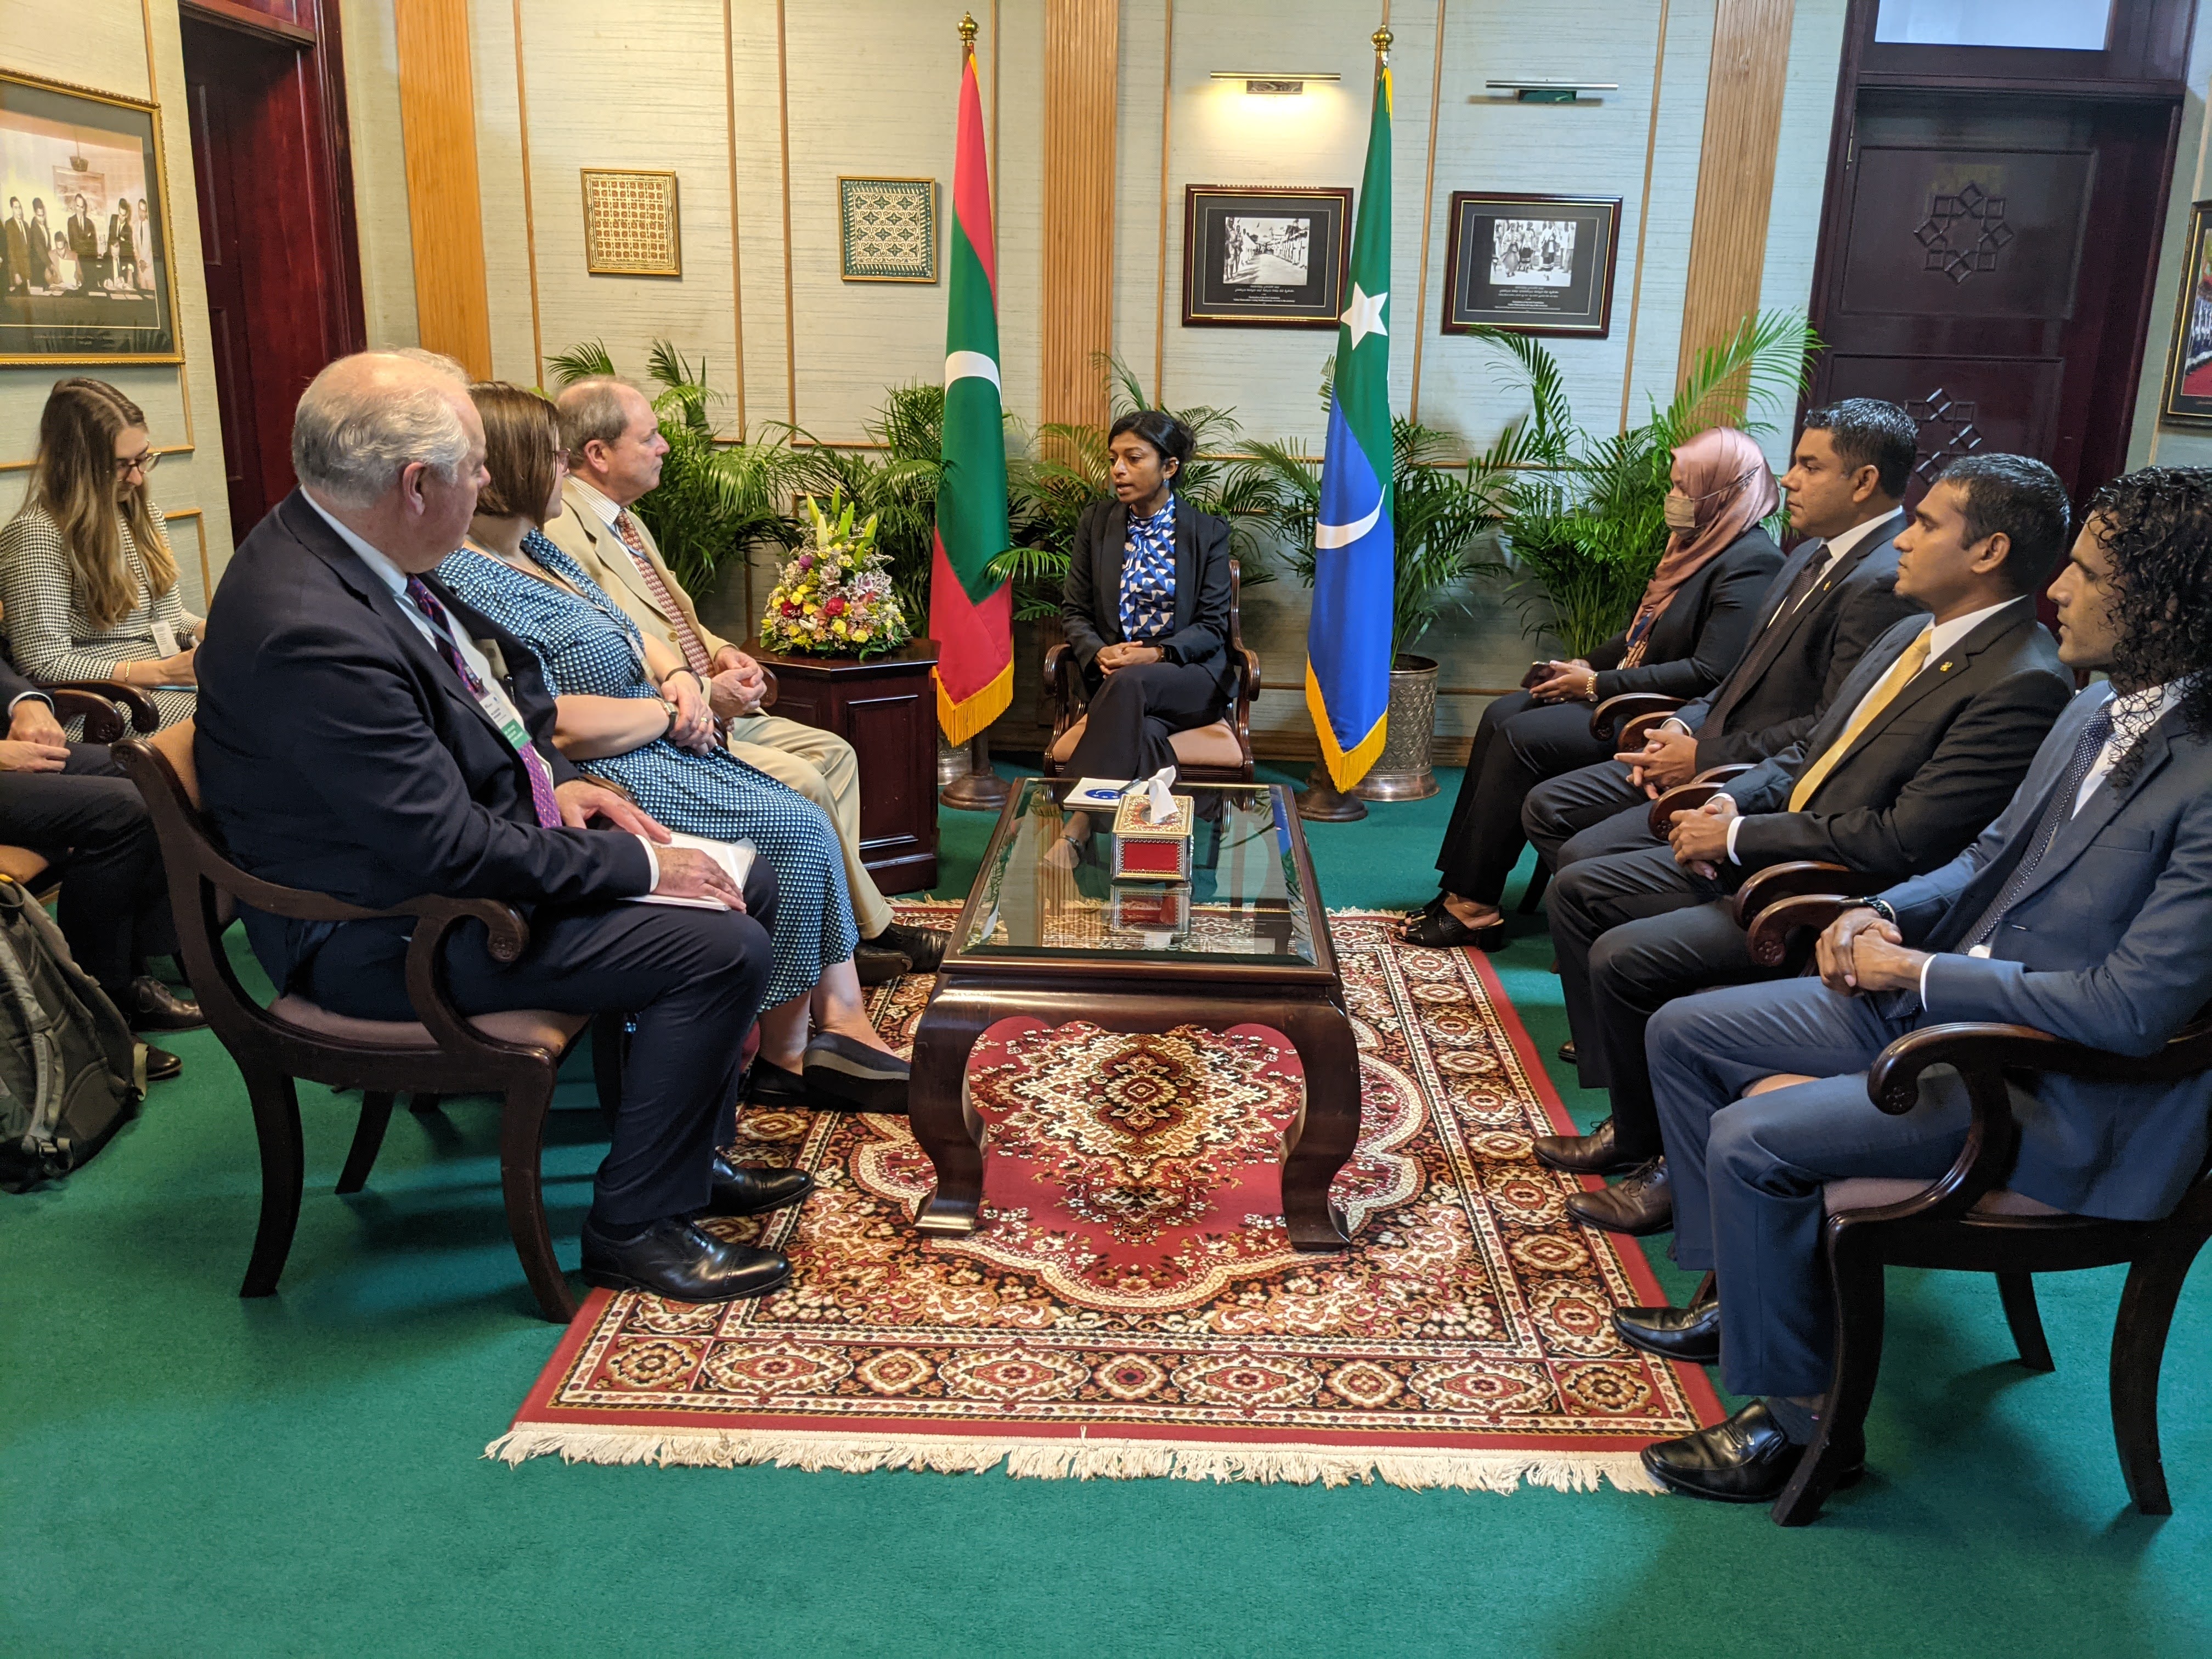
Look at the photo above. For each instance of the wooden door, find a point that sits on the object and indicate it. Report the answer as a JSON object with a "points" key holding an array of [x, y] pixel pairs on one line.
{"points": [[270, 158], [1986, 262]]}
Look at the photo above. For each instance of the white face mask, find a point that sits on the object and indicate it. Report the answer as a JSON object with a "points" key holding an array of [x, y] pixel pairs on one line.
{"points": [[1681, 512]]}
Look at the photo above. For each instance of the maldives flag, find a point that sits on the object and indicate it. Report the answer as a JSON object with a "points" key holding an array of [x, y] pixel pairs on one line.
{"points": [[971, 615]]}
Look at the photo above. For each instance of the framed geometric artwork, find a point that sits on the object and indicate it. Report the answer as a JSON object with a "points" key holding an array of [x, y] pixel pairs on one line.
{"points": [[630, 226], [1535, 264], [2188, 358], [85, 271], [1265, 256], [887, 230]]}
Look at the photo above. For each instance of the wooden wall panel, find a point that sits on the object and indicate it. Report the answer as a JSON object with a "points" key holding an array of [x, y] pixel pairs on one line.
{"points": [[1082, 41], [444, 208], [1735, 170]]}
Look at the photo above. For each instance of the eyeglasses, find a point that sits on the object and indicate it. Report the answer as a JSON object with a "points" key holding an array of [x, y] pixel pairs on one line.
{"points": [[144, 462]]}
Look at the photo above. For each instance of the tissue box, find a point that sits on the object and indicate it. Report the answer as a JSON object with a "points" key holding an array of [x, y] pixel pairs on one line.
{"points": [[1134, 820]]}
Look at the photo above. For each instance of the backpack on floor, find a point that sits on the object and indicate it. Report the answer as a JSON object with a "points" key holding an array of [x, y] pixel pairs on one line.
{"points": [[70, 1071]]}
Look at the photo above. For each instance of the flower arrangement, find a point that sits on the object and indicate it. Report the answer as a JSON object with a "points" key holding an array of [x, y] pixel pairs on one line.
{"points": [[834, 598]]}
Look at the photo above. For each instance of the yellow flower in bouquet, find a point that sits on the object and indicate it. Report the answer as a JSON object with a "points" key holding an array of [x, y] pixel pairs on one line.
{"points": [[833, 595]]}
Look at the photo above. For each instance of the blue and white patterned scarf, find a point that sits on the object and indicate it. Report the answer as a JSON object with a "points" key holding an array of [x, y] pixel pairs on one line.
{"points": [[1148, 576]]}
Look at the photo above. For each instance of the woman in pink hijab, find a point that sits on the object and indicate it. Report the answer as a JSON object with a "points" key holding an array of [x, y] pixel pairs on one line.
{"points": [[1697, 613]]}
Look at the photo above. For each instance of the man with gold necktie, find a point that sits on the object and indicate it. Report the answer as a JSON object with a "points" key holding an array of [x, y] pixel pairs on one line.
{"points": [[615, 449], [1920, 749]]}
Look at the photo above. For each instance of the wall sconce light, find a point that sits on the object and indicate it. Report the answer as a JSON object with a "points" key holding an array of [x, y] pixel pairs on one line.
{"points": [[1550, 91], [1270, 84]]}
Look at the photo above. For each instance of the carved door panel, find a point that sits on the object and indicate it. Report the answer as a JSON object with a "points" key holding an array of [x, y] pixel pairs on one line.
{"points": [[1984, 263]]}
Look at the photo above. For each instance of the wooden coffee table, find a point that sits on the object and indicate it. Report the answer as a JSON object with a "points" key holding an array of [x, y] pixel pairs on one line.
{"points": [[1059, 944]]}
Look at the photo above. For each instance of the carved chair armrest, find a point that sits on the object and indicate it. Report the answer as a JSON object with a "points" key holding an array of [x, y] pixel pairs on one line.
{"points": [[1799, 875], [1689, 797], [769, 690], [1767, 936], [1609, 715], [103, 721], [1248, 672], [1636, 732], [144, 715]]}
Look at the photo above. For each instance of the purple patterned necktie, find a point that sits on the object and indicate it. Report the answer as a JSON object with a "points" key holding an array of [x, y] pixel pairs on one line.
{"points": [[541, 776]]}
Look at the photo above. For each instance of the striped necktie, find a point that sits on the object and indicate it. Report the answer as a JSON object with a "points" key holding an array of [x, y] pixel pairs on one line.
{"points": [[1910, 662], [541, 776], [687, 638], [2093, 738]]}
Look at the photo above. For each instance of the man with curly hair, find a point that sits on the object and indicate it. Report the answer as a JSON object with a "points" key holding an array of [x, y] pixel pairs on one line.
{"points": [[2085, 910]]}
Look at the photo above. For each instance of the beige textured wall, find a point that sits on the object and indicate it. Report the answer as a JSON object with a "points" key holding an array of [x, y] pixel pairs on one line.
{"points": [[868, 88], [116, 46]]}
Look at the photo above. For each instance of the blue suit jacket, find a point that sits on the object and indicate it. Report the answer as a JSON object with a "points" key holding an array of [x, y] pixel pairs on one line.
{"points": [[2109, 945], [339, 752]]}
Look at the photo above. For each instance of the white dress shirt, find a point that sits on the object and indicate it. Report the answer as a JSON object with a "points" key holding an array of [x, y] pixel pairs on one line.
{"points": [[395, 579], [599, 504]]}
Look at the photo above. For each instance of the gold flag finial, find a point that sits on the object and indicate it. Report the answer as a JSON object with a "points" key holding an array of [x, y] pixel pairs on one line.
{"points": [[1382, 37], [968, 29]]}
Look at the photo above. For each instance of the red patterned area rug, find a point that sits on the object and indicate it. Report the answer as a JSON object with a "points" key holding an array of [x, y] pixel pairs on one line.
{"points": [[1132, 1306]]}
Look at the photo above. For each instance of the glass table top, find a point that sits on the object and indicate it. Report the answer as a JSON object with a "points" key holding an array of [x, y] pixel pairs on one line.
{"points": [[1041, 895]]}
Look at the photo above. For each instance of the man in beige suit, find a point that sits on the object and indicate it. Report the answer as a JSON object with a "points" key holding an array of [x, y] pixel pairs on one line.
{"points": [[615, 449]]}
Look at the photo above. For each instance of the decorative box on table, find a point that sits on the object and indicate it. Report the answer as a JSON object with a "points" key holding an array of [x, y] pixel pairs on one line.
{"points": [[1144, 851]]}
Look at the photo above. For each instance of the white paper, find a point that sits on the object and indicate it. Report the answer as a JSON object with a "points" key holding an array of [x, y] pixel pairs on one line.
{"points": [[736, 858], [165, 638]]}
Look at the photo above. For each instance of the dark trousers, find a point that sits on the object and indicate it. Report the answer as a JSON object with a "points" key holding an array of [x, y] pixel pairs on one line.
{"points": [[1517, 744], [1135, 715], [1747, 1174], [691, 979], [1586, 813], [90, 822], [1633, 931]]}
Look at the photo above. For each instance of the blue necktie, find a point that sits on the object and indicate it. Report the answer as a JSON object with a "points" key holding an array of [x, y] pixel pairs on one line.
{"points": [[2093, 738]]}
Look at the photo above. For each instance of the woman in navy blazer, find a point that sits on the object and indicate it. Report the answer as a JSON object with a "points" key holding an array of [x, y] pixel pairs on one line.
{"points": [[1145, 606]]}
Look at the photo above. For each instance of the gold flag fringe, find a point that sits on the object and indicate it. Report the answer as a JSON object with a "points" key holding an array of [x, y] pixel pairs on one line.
{"points": [[1087, 1459]]}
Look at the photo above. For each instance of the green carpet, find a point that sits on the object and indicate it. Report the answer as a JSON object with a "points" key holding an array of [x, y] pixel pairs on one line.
{"points": [[185, 1472]]}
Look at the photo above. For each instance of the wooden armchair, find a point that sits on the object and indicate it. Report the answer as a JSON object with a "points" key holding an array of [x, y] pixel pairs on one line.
{"points": [[1967, 1220], [104, 722], [1220, 753], [1780, 905], [1625, 720], [515, 1056], [1689, 797]]}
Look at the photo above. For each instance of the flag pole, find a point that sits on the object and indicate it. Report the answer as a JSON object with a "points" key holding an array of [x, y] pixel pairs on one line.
{"points": [[1321, 801], [980, 789]]}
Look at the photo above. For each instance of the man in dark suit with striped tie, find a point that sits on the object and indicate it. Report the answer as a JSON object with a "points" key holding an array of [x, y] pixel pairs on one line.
{"points": [[2085, 910]]}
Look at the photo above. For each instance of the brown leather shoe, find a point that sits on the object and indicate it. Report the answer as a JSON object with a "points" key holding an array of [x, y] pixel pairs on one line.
{"points": [[1641, 1203], [1597, 1153]]}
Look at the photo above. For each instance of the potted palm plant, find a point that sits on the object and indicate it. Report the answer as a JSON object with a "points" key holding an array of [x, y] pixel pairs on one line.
{"points": [[1437, 511], [1582, 518]]}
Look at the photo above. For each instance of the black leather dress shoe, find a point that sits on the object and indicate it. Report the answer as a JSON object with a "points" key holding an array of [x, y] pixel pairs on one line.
{"points": [[1690, 1334], [150, 1006], [753, 1189], [161, 1065], [844, 1072], [924, 946], [1746, 1460], [1597, 1153], [1641, 1203], [675, 1259], [878, 966]]}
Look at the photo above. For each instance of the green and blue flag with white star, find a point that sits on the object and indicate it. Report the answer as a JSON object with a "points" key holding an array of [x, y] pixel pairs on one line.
{"points": [[1348, 638]]}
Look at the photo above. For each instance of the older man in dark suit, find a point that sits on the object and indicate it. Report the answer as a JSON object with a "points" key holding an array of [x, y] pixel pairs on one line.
{"points": [[1920, 749], [364, 733], [2085, 910]]}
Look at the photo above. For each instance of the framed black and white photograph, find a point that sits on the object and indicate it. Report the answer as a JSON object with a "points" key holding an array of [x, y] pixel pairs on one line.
{"points": [[85, 272], [1265, 257], [1537, 265], [2189, 365]]}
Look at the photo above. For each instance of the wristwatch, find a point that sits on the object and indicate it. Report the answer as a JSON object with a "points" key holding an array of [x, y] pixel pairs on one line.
{"points": [[1882, 908]]}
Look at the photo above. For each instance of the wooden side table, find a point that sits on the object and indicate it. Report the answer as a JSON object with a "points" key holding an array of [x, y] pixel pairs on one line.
{"points": [[886, 708]]}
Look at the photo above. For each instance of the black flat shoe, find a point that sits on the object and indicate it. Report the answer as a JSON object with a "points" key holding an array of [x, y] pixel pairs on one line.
{"points": [[755, 1189], [150, 1006], [1444, 930], [1641, 1203], [843, 1072], [675, 1260], [1692, 1335], [161, 1065], [769, 1084], [878, 966], [1746, 1460], [924, 946], [1597, 1153]]}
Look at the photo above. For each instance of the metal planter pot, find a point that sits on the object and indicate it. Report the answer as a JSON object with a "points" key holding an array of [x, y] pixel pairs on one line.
{"points": [[1405, 770]]}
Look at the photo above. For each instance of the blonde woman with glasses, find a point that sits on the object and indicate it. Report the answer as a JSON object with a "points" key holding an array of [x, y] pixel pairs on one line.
{"points": [[88, 583]]}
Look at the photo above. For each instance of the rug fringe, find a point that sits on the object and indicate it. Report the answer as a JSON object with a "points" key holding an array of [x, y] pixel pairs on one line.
{"points": [[1499, 1472]]}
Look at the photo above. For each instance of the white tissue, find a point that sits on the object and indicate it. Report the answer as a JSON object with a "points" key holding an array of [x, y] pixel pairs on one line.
{"points": [[1160, 803]]}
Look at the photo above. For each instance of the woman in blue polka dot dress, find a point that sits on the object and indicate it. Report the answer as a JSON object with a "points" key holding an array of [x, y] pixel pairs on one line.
{"points": [[629, 712]]}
